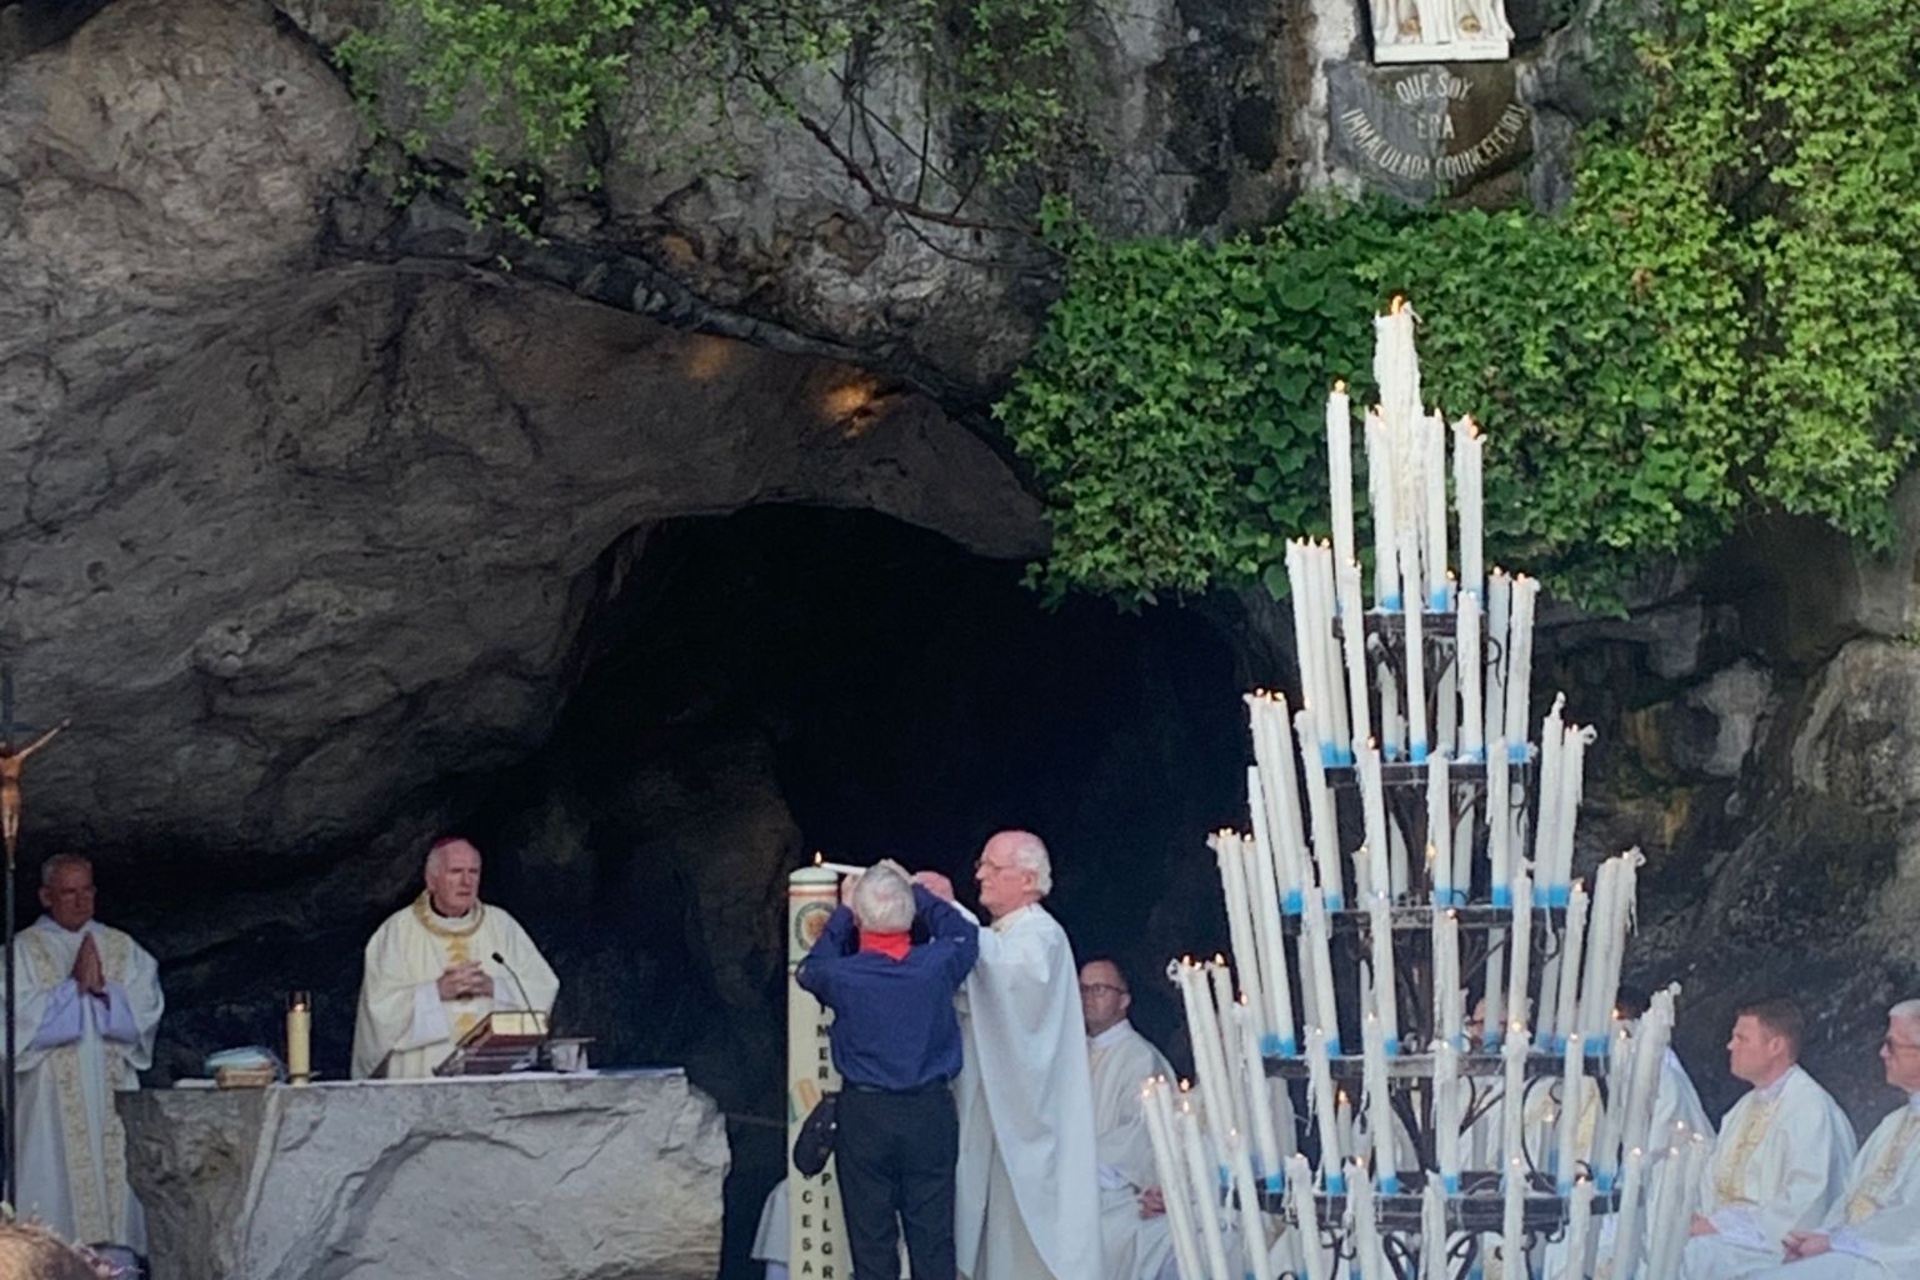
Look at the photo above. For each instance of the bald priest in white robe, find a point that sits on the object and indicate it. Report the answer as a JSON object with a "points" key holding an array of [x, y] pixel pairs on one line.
{"points": [[1027, 1189], [431, 971], [1134, 1237], [1873, 1230], [88, 1006], [1782, 1157]]}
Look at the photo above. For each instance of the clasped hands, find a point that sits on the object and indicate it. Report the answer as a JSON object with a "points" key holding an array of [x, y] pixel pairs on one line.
{"points": [[89, 974], [463, 980], [1807, 1244]]}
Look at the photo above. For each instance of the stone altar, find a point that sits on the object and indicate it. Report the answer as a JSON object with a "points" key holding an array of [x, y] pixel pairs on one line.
{"points": [[536, 1177]]}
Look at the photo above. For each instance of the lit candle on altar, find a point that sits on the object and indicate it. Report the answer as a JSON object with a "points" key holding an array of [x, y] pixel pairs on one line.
{"points": [[1300, 1188], [1433, 449], [1226, 846], [1447, 1117], [1343, 1121], [1520, 662], [1385, 988], [1471, 664], [1418, 742], [1340, 470], [1499, 824], [1380, 1108], [1158, 1106], [1567, 1140], [1579, 1228], [1325, 1110], [1433, 1233], [1326, 831], [1198, 1005], [1513, 1218], [1440, 831], [1566, 1014], [1513, 1057], [1353, 640], [1547, 789], [1266, 1141], [1649, 1055], [1280, 787], [1317, 929], [1203, 1181], [1469, 495], [1520, 950]]}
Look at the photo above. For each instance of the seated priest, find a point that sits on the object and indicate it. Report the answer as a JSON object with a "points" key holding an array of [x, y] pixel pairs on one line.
{"points": [[1872, 1232], [440, 965], [1133, 1227]]}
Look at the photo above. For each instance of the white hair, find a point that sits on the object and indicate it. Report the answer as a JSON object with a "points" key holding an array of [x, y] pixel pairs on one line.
{"points": [[1907, 1011], [1030, 854], [437, 855], [59, 862], [883, 901]]}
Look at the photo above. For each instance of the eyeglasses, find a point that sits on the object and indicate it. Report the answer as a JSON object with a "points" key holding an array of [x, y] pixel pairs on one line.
{"points": [[1889, 1044], [981, 864], [1095, 988]]}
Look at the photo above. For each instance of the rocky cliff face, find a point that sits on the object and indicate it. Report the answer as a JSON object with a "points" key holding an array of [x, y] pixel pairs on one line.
{"points": [[327, 531]]}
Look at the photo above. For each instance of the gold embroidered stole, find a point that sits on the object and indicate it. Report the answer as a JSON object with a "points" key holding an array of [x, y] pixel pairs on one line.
{"points": [[1730, 1181], [99, 1196], [455, 940], [1868, 1197]]}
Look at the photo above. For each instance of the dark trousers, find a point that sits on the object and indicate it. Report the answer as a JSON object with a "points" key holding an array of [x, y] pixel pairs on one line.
{"points": [[895, 1154]]}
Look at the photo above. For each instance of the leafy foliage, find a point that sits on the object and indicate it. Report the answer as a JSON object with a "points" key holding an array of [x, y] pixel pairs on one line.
{"points": [[1715, 327], [542, 77]]}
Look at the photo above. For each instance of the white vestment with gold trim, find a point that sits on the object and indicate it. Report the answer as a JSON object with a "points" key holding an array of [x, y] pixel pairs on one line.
{"points": [[76, 1052], [403, 1028]]}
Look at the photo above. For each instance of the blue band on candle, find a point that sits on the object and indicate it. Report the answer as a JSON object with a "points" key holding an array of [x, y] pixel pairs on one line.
{"points": [[1603, 1183], [1336, 900], [1336, 1184], [1333, 1045], [1390, 603], [1564, 1186], [1289, 1047], [1596, 1047], [1389, 1184], [1451, 1184], [1540, 895], [1390, 753], [1274, 1183], [1517, 752], [1293, 903], [1272, 1046], [1420, 753], [1560, 895], [1226, 1180], [1473, 755], [1392, 1045], [1439, 601], [1343, 757], [1490, 1041], [1503, 895]]}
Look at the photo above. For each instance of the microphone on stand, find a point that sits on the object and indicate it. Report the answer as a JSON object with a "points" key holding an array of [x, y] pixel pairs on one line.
{"points": [[525, 1002]]}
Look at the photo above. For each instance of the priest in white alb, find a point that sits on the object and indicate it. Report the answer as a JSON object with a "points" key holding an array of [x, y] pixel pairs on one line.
{"points": [[1873, 1230], [1134, 1237], [440, 965], [1782, 1157], [1027, 1188], [89, 1003]]}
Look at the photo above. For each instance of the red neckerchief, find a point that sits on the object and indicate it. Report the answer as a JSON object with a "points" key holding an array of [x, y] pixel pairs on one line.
{"points": [[892, 945]]}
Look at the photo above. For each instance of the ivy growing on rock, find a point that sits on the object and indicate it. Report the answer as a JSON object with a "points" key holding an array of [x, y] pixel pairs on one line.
{"points": [[1718, 325]]}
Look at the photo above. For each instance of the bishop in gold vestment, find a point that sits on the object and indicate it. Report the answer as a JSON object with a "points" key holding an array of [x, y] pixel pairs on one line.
{"points": [[431, 975]]}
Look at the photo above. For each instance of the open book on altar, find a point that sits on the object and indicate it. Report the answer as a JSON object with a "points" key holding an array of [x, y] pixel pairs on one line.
{"points": [[505, 1040]]}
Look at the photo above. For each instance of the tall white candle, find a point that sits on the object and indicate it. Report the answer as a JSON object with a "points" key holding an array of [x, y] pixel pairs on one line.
{"points": [[1418, 742], [1197, 1001], [1325, 1109], [1281, 788], [1573, 762], [1606, 1155], [1271, 936], [1380, 1109], [1266, 846], [1494, 1019], [1433, 1233], [1593, 1018], [1385, 983], [1520, 658], [1386, 525], [1470, 665], [1226, 1046], [1240, 921], [1266, 1141], [1513, 1220], [1203, 1179], [1253, 1236], [1440, 830], [1373, 811], [1499, 824], [1548, 793], [1326, 831], [1393, 718], [1626, 1239], [1447, 1117], [1513, 1103], [1469, 498], [1573, 1266], [1433, 439], [1340, 470], [1158, 1106], [1566, 1014], [1332, 679], [1670, 1232], [1520, 950], [1366, 1225], [1447, 993], [1300, 1188], [1353, 642], [1573, 1075], [1317, 933], [1499, 606]]}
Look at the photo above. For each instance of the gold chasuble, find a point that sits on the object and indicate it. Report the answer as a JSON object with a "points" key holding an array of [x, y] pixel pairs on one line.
{"points": [[404, 1028]]}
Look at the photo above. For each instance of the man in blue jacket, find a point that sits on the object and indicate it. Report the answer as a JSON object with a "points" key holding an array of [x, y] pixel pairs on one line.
{"points": [[896, 1044]]}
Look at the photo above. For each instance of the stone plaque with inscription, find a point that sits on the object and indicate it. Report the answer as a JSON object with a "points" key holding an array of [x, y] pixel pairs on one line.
{"points": [[1427, 131]]}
